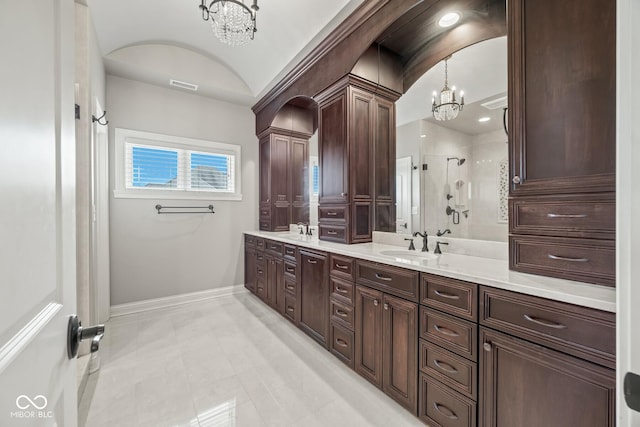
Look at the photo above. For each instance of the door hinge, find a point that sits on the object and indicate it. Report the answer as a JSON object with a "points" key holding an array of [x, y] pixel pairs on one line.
{"points": [[77, 112]]}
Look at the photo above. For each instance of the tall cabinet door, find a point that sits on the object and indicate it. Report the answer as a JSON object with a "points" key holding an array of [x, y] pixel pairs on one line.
{"points": [[369, 334], [400, 351], [384, 149], [522, 384], [313, 295], [299, 173], [360, 119], [333, 154], [562, 81]]}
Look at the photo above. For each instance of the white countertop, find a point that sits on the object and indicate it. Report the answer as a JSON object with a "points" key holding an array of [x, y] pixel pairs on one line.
{"points": [[484, 271]]}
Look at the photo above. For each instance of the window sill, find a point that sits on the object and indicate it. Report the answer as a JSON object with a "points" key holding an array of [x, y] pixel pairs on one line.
{"points": [[174, 195]]}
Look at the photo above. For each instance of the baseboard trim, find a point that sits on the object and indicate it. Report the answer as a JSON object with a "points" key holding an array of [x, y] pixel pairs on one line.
{"points": [[156, 303]]}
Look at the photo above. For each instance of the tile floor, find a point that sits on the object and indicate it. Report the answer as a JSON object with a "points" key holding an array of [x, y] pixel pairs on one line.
{"points": [[226, 362]]}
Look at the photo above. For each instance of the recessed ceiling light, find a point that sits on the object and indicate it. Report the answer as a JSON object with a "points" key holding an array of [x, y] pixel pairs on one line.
{"points": [[423, 136], [484, 119], [449, 19]]}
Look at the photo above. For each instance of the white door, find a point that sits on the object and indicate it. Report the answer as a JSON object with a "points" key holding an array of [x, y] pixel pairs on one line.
{"points": [[628, 203], [37, 217], [403, 195]]}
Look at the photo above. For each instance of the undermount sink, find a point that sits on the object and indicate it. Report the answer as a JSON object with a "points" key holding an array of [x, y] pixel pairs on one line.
{"points": [[407, 254]]}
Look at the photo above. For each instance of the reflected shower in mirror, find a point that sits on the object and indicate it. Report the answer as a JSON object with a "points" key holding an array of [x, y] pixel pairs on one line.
{"points": [[459, 169]]}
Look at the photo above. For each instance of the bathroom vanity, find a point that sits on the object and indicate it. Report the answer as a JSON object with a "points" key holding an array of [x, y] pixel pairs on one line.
{"points": [[457, 340]]}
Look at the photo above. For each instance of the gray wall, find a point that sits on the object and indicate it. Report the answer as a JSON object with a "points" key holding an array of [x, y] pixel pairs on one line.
{"points": [[153, 255]]}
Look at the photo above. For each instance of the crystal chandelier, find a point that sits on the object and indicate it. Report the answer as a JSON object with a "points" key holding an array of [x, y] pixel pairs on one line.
{"points": [[233, 22], [448, 108]]}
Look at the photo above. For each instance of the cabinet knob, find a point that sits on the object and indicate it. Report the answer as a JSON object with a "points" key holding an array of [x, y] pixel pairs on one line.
{"points": [[487, 346], [516, 179], [376, 302], [343, 194], [386, 306]]}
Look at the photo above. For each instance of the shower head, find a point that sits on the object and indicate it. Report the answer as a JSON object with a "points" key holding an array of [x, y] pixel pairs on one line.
{"points": [[460, 161]]}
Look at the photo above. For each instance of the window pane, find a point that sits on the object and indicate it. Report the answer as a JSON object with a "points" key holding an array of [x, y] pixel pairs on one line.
{"points": [[316, 179], [211, 172], [154, 167]]}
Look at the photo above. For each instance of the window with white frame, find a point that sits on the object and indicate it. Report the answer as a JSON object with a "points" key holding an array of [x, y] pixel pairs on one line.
{"points": [[160, 166]]}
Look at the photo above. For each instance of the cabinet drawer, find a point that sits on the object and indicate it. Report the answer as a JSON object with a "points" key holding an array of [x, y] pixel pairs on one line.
{"points": [[290, 286], [333, 213], [450, 295], [265, 224], [342, 344], [249, 240], [265, 212], [343, 266], [342, 314], [276, 248], [456, 372], [261, 288], [449, 332], [583, 332], [586, 216], [333, 233], [259, 243], [290, 307], [394, 280], [441, 406], [290, 252], [290, 270], [342, 290], [592, 261], [261, 271]]}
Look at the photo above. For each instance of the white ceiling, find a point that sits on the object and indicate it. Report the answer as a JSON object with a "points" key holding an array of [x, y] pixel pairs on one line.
{"points": [[286, 31], [480, 70]]}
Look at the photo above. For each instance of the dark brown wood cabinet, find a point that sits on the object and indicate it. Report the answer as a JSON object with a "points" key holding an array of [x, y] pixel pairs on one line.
{"points": [[562, 121], [523, 384], [356, 143], [313, 295], [250, 263], [386, 344], [284, 194]]}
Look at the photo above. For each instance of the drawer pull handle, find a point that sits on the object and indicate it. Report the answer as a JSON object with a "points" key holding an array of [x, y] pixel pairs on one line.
{"points": [[386, 306], [552, 215], [290, 287], [312, 261], [274, 247], [341, 313], [341, 267], [341, 343], [290, 309], [451, 415], [445, 366], [563, 258], [332, 213], [446, 295], [376, 302], [290, 269], [544, 322], [445, 331], [383, 277], [487, 346], [260, 288], [260, 271], [341, 291], [333, 233], [289, 251]]}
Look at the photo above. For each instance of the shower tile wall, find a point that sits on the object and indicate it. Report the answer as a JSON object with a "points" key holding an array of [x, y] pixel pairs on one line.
{"points": [[480, 172], [437, 144]]}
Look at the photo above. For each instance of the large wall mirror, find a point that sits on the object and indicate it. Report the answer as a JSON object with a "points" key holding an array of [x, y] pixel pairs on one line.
{"points": [[452, 174]]}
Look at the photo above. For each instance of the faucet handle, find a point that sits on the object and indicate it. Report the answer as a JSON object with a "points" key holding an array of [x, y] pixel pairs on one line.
{"points": [[437, 250], [411, 247]]}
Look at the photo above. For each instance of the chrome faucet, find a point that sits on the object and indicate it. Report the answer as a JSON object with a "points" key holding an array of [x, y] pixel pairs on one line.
{"points": [[425, 240], [442, 233]]}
